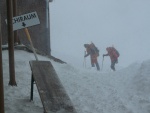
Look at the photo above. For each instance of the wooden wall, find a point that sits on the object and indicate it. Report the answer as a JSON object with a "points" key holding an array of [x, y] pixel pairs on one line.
{"points": [[40, 34]]}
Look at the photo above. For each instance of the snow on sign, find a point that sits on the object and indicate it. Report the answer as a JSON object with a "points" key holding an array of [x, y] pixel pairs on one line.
{"points": [[26, 20]]}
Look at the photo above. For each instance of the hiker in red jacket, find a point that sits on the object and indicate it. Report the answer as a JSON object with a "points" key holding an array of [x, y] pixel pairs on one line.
{"points": [[94, 53], [114, 54]]}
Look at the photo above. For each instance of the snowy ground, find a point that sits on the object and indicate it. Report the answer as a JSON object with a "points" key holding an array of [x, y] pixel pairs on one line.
{"points": [[124, 91]]}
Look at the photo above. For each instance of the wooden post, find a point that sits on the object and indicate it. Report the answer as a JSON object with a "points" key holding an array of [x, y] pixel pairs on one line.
{"points": [[16, 40], [12, 81], [29, 38], [1, 75]]}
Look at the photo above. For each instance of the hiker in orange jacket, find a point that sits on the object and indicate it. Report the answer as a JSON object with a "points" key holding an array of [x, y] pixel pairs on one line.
{"points": [[113, 53], [93, 52]]}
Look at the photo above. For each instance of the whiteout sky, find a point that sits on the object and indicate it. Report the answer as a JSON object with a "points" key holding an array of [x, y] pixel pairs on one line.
{"points": [[122, 23]]}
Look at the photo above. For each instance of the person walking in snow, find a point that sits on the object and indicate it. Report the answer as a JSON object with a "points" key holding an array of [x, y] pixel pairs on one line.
{"points": [[92, 50], [114, 54]]}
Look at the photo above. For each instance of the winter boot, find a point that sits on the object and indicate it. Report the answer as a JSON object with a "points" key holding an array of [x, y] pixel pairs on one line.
{"points": [[97, 66]]}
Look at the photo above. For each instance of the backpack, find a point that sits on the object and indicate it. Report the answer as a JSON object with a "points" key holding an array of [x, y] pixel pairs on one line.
{"points": [[94, 49], [116, 51]]}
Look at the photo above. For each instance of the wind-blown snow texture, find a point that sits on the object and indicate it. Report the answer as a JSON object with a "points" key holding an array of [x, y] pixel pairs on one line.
{"points": [[124, 91]]}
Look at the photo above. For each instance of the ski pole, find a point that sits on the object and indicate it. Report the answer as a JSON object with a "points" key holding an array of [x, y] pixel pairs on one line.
{"points": [[102, 62], [84, 62]]}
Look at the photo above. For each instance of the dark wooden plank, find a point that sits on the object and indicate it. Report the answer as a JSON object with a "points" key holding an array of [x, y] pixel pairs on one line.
{"points": [[53, 95]]}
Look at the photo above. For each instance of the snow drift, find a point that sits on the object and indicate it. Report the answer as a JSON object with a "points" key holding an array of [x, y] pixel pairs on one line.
{"points": [[124, 91]]}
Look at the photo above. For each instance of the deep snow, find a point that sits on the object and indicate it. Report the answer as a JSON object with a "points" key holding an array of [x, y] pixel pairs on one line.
{"points": [[124, 91]]}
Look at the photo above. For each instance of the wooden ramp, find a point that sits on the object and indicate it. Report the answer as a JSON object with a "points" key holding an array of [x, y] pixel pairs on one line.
{"points": [[52, 93]]}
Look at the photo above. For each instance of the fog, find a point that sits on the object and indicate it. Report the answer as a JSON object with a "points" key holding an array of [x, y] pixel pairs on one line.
{"points": [[122, 23]]}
